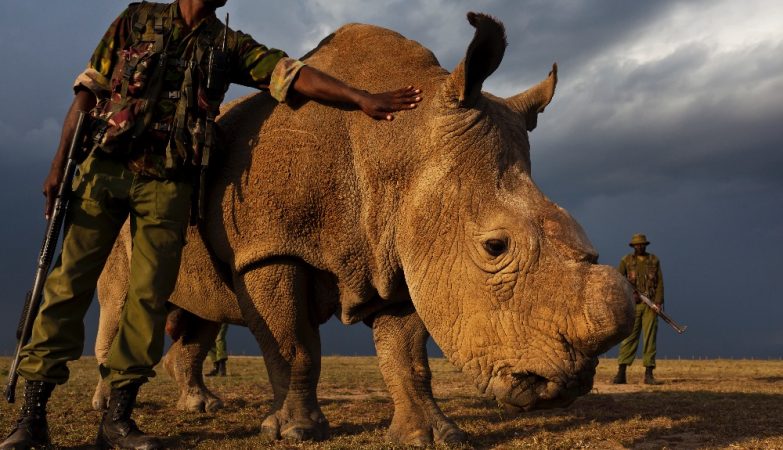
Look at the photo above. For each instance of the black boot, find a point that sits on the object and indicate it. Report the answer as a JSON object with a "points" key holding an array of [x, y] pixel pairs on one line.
{"points": [[648, 376], [222, 368], [117, 429], [215, 369], [31, 429], [620, 377]]}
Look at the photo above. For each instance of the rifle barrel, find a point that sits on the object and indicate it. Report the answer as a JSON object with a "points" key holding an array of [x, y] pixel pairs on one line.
{"points": [[225, 35], [677, 327], [53, 227]]}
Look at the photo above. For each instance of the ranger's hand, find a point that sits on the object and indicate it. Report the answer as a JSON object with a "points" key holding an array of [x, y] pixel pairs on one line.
{"points": [[380, 106], [50, 187], [318, 85]]}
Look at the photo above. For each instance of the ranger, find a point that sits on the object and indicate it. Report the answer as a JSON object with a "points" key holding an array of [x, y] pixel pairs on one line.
{"points": [[217, 354], [643, 271], [153, 86]]}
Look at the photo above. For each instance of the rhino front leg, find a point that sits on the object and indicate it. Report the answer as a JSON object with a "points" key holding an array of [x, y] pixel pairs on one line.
{"points": [[274, 299], [400, 341], [185, 359]]}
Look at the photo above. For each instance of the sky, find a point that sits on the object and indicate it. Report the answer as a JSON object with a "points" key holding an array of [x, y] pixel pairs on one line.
{"points": [[667, 120]]}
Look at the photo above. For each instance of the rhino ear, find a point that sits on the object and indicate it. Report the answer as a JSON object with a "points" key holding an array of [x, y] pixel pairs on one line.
{"points": [[533, 101], [484, 55]]}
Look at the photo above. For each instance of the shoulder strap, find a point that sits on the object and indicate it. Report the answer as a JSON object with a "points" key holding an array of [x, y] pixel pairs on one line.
{"points": [[150, 23], [139, 25]]}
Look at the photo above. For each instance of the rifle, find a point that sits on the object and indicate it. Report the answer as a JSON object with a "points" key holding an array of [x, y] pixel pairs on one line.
{"points": [[53, 227], [677, 327]]}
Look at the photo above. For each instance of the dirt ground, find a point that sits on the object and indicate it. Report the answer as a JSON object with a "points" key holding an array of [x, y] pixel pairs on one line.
{"points": [[734, 404]]}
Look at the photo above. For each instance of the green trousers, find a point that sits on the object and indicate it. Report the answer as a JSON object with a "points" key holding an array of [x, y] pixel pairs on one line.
{"points": [[646, 323], [218, 351], [105, 194]]}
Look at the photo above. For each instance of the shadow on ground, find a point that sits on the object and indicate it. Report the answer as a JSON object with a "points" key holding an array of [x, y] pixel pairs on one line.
{"points": [[694, 418]]}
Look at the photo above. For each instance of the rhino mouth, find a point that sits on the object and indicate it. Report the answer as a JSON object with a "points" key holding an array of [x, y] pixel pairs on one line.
{"points": [[526, 391]]}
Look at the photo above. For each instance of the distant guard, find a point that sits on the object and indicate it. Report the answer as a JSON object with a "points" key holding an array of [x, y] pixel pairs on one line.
{"points": [[643, 271], [218, 354]]}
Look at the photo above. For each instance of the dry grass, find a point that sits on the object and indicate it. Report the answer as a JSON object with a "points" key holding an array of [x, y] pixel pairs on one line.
{"points": [[703, 404]]}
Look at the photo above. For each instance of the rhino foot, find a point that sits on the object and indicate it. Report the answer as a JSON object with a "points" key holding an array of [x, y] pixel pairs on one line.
{"points": [[450, 434], [420, 434], [199, 400], [100, 399], [278, 426], [194, 395]]}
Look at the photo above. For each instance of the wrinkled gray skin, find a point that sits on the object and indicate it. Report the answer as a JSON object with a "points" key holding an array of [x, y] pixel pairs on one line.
{"points": [[427, 225]]}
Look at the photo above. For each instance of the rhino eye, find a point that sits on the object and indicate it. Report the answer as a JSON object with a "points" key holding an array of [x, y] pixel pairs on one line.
{"points": [[495, 247]]}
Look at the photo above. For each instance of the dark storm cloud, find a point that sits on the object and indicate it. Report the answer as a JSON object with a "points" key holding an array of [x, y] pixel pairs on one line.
{"points": [[666, 120]]}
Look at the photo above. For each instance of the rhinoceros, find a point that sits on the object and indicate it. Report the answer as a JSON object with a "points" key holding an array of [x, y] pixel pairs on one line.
{"points": [[428, 225]]}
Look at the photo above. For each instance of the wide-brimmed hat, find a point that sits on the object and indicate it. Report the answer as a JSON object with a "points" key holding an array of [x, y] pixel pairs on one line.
{"points": [[639, 238]]}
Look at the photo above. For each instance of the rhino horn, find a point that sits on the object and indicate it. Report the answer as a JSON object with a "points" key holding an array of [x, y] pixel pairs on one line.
{"points": [[533, 101], [483, 56]]}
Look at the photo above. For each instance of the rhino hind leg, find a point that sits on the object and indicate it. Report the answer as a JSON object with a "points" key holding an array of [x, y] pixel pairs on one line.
{"points": [[274, 298], [112, 289], [185, 359], [401, 344]]}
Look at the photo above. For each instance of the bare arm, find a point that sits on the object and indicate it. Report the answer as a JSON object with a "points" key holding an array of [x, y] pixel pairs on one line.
{"points": [[84, 100], [315, 84]]}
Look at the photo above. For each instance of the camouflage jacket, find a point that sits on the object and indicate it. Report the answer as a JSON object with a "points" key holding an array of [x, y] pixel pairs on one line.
{"points": [[148, 75], [644, 273]]}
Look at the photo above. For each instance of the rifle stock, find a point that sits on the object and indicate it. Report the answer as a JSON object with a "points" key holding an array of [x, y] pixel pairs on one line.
{"points": [[53, 228], [677, 327]]}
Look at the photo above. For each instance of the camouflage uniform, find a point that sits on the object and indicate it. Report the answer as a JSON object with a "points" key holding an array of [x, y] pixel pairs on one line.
{"points": [[125, 70], [644, 273], [147, 74]]}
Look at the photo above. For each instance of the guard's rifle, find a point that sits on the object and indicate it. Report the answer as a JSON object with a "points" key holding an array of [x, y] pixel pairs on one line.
{"points": [[215, 89], [53, 227], [677, 327]]}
